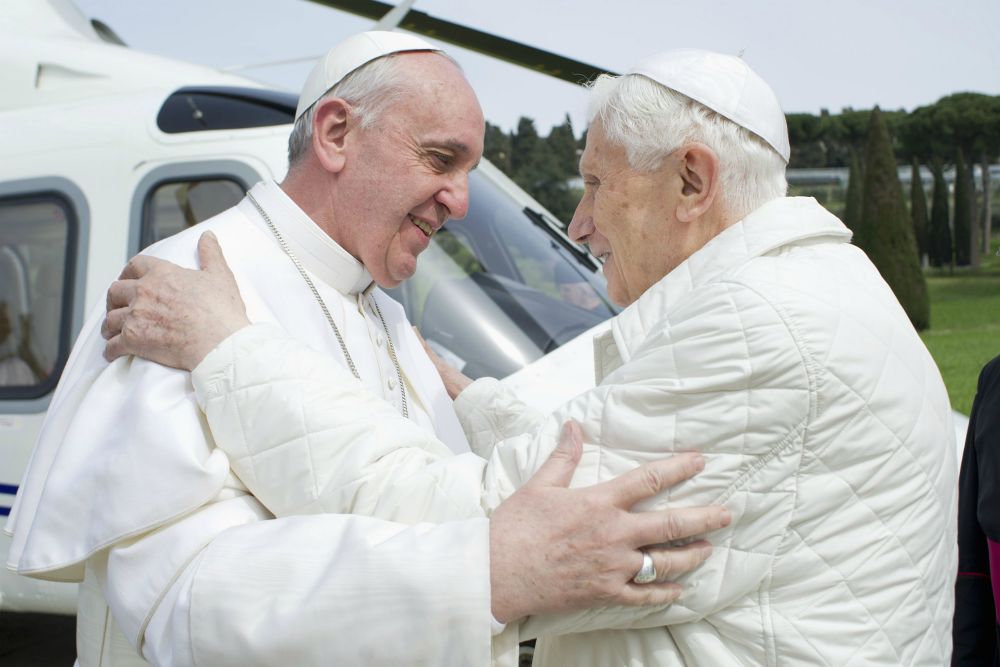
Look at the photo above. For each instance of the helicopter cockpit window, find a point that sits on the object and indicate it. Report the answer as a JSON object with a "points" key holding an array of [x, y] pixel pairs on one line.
{"points": [[35, 267], [224, 108], [174, 206], [496, 291]]}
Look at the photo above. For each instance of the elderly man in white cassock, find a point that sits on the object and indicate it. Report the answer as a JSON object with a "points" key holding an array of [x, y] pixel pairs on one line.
{"points": [[753, 330], [182, 565]]}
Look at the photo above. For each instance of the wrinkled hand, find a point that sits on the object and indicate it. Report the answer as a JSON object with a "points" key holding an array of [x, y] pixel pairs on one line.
{"points": [[453, 379], [556, 549], [170, 315]]}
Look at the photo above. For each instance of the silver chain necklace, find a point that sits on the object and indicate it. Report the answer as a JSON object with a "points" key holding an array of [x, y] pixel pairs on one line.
{"points": [[329, 318]]}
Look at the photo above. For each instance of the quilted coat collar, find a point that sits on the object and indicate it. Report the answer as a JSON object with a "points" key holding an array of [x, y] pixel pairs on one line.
{"points": [[319, 254], [778, 223]]}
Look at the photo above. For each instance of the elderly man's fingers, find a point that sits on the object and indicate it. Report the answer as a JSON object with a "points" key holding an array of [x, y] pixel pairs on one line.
{"points": [[651, 478], [115, 347], [121, 294], [649, 595], [558, 469], [662, 526], [139, 266], [671, 562], [113, 322], [210, 256]]}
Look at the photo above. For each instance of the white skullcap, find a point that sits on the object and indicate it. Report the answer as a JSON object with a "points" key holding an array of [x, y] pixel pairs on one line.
{"points": [[351, 54], [724, 84]]}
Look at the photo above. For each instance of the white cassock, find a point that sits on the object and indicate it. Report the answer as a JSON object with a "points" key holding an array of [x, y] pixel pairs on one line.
{"points": [[127, 493]]}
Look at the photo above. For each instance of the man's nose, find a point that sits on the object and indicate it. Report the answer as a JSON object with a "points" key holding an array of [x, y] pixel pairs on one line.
{"points": [[582, 225], [455, 196]]}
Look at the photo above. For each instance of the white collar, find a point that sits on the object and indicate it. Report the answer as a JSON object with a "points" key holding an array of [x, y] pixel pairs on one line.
{"points": [[316, 251]]}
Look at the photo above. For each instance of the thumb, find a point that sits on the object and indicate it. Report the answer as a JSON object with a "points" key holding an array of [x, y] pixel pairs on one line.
{"points": [[210, 255], [558, 469]]}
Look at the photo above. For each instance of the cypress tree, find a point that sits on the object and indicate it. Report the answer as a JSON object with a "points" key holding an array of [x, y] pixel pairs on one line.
{"points": [[855, 194], [918, 209], [962, 218], [939, 232], [561, 143], [886, 224]]}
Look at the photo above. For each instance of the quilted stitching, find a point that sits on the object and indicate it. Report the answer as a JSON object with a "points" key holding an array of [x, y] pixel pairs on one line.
{"points": [[873, 495]]}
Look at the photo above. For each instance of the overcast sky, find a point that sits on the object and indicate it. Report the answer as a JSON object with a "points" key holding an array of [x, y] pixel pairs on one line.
{"points": [[815, 53]]}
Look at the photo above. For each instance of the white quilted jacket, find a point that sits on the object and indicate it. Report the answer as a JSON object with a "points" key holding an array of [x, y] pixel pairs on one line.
{"points": [[779, 352]]}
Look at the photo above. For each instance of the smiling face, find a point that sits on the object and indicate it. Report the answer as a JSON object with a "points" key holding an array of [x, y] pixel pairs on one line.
{"points": [[645, 223], [627, 217], [408, 172]]}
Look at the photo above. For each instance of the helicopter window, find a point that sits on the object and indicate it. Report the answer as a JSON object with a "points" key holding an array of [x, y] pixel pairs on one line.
{"points": [[202, 109], [174, 206], [35, 271]]}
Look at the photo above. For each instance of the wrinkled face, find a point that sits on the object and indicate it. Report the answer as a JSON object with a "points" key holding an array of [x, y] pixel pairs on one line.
{"points": [[408, 172], [627, 217]]}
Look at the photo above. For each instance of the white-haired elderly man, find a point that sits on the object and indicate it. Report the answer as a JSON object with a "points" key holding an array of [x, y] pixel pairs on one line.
{"points": [[754, 331], [182, 565]]}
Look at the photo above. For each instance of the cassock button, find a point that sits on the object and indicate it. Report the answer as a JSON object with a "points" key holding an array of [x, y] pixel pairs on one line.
{"points": [[392, 384]]}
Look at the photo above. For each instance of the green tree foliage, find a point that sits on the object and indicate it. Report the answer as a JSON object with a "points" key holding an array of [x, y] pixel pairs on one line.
{"points": [[962, 218], [939, 233], [496, 148], [806, 138], [969, 120], [918, 209], [529, 163], [890, 233], [855, 199], [561, 142], [542, 166], [829, 140]]}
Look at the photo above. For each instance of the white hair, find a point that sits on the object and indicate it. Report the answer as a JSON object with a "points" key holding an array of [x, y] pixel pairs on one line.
{"points": [[651, 121], [370, 90]]}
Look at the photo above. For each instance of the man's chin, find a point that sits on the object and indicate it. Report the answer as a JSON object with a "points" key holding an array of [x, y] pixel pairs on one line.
{"points": [[393, 278]]}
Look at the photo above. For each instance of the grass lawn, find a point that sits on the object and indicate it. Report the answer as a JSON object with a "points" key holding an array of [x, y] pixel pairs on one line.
{"points": [[965, 325]]}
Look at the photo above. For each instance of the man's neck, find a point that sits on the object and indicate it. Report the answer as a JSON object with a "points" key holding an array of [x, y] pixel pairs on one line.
{"points": [[315, 201]]}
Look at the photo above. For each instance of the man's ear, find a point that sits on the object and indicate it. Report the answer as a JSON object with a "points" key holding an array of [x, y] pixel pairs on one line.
{"points": [[332, 123], [699, 172]]}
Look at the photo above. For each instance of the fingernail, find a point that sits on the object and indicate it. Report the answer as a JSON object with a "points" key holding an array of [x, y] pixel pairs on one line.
{"points": [[725, 516], [706, 551], [699, 462]]}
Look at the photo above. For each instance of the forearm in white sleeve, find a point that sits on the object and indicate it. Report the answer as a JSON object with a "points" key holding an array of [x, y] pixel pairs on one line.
{"points": [[307, 437], [490, 412], [313, 590]]}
